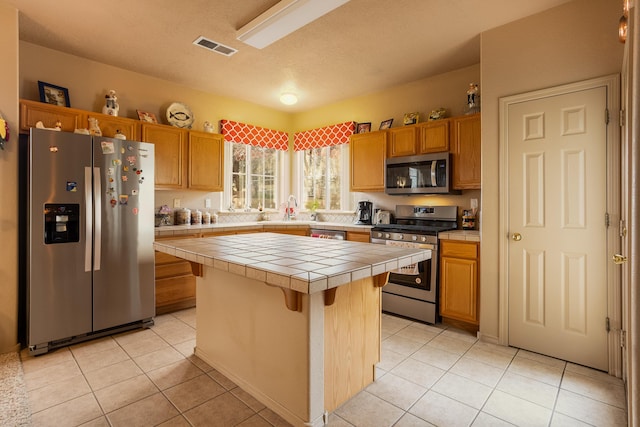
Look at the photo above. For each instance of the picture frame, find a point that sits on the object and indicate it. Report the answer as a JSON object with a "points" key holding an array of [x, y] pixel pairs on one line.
{"points": [[52, 94], [386, 124], [363, 127], [411, 118], [147, 117]]}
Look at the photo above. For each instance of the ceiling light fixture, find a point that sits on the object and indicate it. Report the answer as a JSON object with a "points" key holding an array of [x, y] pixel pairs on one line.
{"points": [[284, 18], [288, 98]]}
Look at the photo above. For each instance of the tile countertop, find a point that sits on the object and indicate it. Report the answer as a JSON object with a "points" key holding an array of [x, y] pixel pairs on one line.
{"points": [[176, 230], [303, 264], [468, 235]]}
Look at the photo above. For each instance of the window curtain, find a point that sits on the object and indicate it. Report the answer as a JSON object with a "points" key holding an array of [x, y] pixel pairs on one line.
{"points": [[323, 137], [242, 133]]}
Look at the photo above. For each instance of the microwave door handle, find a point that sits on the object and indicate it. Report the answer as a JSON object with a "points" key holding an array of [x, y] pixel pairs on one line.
{"points": [[434, 181]]}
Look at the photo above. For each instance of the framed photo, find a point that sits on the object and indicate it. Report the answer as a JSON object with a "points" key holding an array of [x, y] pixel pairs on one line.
{"points": [[363, 127], [411, 118], [386, 124], [147, 117], [52, 94]]}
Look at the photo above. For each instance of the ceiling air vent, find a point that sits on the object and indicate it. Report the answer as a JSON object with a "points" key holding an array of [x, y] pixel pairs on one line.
{"points": [[214, 46]]}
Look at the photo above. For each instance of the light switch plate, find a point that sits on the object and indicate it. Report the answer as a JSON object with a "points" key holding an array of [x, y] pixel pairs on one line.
{"points": [[176, 203], [207, 203], [474, 204]]}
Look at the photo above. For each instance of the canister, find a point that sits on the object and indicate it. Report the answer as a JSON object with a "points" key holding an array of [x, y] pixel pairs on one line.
{"points": [[196, 217], [206, 217], [182, 216]]}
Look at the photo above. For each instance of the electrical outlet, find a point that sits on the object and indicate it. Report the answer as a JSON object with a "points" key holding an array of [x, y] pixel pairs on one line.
{"points": [[176, 203], [207, 203], [474, 204]]}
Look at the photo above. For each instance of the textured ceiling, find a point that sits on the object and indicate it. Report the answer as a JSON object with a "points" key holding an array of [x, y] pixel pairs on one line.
{"points": [[362, 47]]}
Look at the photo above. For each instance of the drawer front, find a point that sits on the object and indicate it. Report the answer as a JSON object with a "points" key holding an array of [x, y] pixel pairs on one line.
{"points": [[173, 269], [455, 249], [162, 258]]}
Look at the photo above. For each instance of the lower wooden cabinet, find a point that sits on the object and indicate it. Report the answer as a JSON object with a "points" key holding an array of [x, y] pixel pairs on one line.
{"points": [[175, 282], [459, 261], [356, 236]]}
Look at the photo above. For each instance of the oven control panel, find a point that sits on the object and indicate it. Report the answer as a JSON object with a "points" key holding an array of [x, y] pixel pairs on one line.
{"points": [[404, 237]]}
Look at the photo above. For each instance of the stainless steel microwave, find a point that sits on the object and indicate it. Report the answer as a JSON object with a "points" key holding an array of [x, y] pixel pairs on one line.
{"points": [[423, 174]]}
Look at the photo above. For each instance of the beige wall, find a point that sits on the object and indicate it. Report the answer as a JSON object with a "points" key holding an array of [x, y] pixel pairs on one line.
{"points": [[573, 42], [9, 181], [88, 81]]}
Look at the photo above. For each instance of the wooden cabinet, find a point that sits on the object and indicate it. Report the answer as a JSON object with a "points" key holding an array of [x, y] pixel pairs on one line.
{"points": [[71, 119], [170, 154], [433, 137], [175, 282], [459, 280], [402, 141], [32, 112], [288, 230], [206, 159], [367, 153], [109, 125], [357, 236], [465, 150]]}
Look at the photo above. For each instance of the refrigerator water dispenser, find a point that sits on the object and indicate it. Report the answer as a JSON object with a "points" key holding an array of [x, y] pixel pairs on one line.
{"points": [[61, 223]]}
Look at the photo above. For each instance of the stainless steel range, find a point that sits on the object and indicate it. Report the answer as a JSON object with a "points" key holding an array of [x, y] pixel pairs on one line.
{"points": [[412, 291]]}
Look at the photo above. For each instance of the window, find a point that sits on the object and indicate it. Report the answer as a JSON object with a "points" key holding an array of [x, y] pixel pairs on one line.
{"points": [[323, 174], [254, 161], [254, 176], [322, 167]]}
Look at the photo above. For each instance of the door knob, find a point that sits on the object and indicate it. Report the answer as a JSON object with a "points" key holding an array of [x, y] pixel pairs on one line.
{"points": [[516, 237], [619, 259]]}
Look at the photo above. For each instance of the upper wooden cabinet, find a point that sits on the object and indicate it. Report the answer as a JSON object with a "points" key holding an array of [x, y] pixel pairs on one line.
{"points": [[71, 119], [367, 153], [206, 157], [110, 125], [32, 112], [170, 154], [433, 137], [466, 152], [423, 138], [402, 141]]}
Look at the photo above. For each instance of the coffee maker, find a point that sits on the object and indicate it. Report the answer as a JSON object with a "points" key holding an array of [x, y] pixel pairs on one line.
{"points": [[364, 214]]}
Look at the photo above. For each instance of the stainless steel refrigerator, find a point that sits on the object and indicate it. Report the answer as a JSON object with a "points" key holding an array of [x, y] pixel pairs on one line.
{"points": [[90, 230]]}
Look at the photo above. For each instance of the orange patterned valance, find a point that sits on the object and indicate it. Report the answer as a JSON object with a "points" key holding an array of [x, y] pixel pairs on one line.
{"points": [[242, 133], [323, 137]]}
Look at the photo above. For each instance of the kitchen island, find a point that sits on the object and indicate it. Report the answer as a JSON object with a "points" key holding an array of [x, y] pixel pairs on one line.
{"points": [[294, 321]]}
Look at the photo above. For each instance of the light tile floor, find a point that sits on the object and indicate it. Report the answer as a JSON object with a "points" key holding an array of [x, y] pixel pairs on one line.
{"points": [[429, 375]]}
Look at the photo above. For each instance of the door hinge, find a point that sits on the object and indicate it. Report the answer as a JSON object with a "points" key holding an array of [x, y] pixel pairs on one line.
{"points": [[623, 228], [608, 325], [623, 119], [606, 116], [623, 338], [607, 221]]}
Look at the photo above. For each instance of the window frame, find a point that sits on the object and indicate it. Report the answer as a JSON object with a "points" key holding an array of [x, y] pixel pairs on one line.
{"points": [[280, 174], [346, 198]]}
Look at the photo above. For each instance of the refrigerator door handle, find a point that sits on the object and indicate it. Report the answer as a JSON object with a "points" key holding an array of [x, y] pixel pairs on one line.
{"points": [[88, 221], [97, 194]]}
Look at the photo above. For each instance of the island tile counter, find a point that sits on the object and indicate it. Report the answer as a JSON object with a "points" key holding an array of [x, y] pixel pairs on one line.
{"points": [[307, 353]]}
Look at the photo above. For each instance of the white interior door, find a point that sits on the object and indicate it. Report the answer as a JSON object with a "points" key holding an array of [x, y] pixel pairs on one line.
{"points": [[557, 204]]}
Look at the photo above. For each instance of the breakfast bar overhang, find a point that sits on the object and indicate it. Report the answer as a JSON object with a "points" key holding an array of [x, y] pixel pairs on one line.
{"points": [[292, 320]]}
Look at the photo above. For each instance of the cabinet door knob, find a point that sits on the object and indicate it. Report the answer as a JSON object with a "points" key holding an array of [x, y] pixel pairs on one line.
{"points": [[516, 237]]}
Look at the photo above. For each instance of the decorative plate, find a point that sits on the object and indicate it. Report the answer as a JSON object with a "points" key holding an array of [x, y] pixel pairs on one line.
{"points": [[179, 115]]}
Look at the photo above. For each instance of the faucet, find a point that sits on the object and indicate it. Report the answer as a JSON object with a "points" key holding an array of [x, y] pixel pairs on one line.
{"points": [[287, 215]]}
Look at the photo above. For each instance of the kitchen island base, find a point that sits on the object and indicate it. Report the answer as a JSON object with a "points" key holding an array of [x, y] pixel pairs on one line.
{"points": [[301, 364]]}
